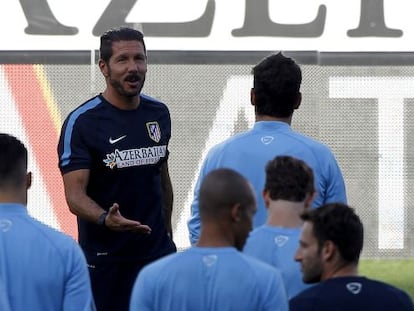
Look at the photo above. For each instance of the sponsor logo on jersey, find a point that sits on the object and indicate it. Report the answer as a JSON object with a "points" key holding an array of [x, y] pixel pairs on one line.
{"points": [[354, 287], [135, 157], [154, 131]]}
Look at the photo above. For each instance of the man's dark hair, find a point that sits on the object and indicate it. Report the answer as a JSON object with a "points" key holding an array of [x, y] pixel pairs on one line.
{"points": [[13, 161], [276, 82], [340, 224], [288, 178], [116, 35], [220, 190]]}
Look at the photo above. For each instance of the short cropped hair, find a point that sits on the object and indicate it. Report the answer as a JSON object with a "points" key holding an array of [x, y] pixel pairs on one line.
{"points": [[276, 82], [220, 190], [288, 178], [13, 161], [340, 224], [116, 35]]}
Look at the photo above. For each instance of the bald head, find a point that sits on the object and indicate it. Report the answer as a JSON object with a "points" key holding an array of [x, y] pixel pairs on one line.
{"points": [[220, 190]]}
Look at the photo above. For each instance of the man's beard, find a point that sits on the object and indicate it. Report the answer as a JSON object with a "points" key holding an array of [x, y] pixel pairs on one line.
{"points": [[117, 85], [121, 90]]}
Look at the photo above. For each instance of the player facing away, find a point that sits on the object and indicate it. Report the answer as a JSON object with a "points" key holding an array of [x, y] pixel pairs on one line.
{"points": [[330, 245], [41, 269], [214, 274], [289, 190], [275, 96]]}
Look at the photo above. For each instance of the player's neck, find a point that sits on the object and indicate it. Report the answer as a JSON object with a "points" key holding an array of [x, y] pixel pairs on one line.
{"points": [[287, 120], [341, 270], [121, 102], [286, 214], [13, 197], [214, 236]]}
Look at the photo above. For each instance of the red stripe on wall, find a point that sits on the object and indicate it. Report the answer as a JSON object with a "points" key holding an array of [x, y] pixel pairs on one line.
{"points": [[42, 137]]}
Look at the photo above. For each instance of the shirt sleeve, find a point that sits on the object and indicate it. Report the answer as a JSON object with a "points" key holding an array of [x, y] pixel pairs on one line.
{"points": [[211, 162], [73, 151], [194, 226], [142, 293], [78, 293], [4, 300], [335, 189], [276, 298]]}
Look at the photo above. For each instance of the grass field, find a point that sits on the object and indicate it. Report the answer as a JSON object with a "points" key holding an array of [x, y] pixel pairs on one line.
{"points": [[399, 273]]}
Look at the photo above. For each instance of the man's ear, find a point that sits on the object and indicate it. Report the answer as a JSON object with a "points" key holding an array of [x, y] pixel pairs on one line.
{"points": [[103, 67], [310, 197], [298, 100], [329, 250], [28, 180], [252, 97], [266, 197], [235, 213]]}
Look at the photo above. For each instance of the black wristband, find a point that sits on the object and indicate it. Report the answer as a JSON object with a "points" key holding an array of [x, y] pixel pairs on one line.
{"points": [[102, 218]]}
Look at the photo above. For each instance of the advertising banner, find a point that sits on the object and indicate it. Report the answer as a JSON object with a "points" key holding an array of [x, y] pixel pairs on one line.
{"points": [[212, 25]]}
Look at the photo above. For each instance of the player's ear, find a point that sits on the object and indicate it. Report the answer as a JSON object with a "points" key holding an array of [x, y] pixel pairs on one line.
{"points": [[298, 100], [329, 250], [252, 97], [28, 180], [236, 212], [103, 67], [310, 197], [266, 197]]}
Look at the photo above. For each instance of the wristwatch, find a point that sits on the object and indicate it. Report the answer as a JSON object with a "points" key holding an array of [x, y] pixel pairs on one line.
{"points": [[101, 219]]}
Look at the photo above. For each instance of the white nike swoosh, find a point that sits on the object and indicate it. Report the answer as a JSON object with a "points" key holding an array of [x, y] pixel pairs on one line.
{"points": [[113, 141]]}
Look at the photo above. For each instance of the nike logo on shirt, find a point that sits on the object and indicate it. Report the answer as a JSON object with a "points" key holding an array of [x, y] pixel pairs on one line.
{"points": [[113, 141]]}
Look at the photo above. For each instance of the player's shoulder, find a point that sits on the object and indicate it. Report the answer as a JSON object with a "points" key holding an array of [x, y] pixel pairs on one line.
{"points": [[386, 291], [53, 238], [153, 102], [86, 106], [259, 267], [308, 298], [81, 114], [333, 291], [229, 144], [310, 141], [259, 233], [166, 262]]}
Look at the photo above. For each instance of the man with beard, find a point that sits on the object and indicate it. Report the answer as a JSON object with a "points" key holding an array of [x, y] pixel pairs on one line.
{"points": [[214, 274], [113, 153], [330, 245]]}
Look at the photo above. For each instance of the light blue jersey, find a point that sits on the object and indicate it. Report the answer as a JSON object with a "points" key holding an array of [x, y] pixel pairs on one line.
{"points": [[4, 300], [248, 154], [41, 269], [277, 246], [209, 279]]}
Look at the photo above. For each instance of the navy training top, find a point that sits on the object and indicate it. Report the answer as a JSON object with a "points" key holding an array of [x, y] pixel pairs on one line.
{"points": [[124, 150]]}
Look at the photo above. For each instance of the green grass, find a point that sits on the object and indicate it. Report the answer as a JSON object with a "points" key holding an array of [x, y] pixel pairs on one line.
{"points": [[399, 273]]}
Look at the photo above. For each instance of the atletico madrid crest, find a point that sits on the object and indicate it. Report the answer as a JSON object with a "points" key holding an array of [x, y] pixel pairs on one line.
{"points": [[154, 131]]}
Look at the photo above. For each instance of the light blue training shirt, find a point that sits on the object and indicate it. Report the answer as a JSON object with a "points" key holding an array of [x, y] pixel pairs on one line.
{"points": [[209, 279], [277, 246], [249, 152], [41, 269]]}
